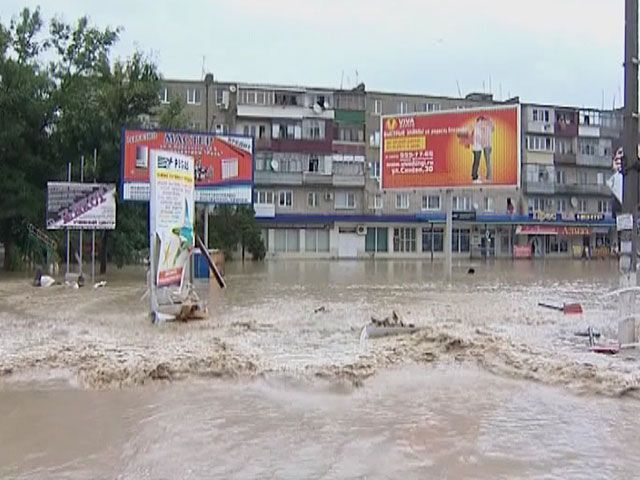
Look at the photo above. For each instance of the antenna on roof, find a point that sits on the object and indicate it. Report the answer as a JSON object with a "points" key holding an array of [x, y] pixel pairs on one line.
{"points": [[341, 79], [458, 85], [202, 73]]}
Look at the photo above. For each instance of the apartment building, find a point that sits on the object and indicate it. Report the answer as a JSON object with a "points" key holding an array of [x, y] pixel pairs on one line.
{"points": [[317, 169], [566, 162]]}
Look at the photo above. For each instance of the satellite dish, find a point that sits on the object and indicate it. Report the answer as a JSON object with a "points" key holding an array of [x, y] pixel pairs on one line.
{"points": [[274, 165], [232, 89], [574, 202], [317, 109]]}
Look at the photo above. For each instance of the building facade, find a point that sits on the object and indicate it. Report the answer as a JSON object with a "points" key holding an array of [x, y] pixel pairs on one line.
{"points": [[317, 170]]}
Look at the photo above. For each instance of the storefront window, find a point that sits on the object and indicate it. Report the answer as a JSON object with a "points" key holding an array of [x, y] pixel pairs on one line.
{"points": [[377, 239], [404, 239]]}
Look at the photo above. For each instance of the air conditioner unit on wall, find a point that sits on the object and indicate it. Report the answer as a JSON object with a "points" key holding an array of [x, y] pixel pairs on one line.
{"points": [[361, 230]]}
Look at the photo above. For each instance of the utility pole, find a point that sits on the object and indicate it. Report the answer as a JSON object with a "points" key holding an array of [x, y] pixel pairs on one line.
{"points": [[630, 135], [627, 221]]}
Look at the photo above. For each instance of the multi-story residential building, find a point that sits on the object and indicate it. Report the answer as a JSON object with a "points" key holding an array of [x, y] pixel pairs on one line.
{"points": [[566, 162], [317, 169]]}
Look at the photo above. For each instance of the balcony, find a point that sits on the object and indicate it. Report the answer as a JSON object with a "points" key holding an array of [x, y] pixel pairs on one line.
{"points": [[283, 111], [348, 180], [589, 131], [301, 145], [316, 178], [593, 161], [264, 210], [544, 188], [263, 143], [563, 129], [564, 158], [269, 177], [540, 127], [579, 189]]}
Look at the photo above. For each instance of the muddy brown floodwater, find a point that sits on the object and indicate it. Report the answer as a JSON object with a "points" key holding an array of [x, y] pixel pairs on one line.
{"points": [[490, 387]]}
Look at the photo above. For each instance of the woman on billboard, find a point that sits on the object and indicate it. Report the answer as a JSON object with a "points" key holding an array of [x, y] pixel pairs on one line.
{"points": [[482, 135]]}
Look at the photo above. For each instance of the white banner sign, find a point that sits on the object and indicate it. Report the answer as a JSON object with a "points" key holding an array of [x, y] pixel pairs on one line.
{"points": [[171, 215], [82, 206]]}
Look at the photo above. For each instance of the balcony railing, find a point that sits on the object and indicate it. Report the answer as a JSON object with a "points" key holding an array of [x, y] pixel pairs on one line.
{"points": [[539, 187], [581, 189], [593, 161], [564, 158]]}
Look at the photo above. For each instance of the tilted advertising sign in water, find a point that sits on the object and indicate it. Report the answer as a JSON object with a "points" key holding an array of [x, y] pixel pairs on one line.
{"points": [[223, 164], [453, 149], [171, 214], [81, 206]]}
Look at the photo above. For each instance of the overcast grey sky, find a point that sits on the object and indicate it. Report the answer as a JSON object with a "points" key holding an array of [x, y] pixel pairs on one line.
{"points": [[553, 51]]}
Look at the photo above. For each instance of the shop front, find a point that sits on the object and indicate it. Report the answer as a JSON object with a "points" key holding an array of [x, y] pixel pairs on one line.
{"points": [[556, 241]]}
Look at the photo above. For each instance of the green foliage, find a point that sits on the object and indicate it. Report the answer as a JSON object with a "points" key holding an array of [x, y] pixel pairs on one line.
{"points": [[173, 115], [55, 110], [232, 226]]}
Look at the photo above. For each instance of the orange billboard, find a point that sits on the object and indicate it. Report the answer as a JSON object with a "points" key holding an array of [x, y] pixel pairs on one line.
{"points": [[477, 147]]}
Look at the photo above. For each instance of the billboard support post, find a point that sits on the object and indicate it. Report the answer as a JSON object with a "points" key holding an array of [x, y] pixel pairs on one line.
{"points": [[67, 229], [80, 239], [448, 236], [93, 231]]}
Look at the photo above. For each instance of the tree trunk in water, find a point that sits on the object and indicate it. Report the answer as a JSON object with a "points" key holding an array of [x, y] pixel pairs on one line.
{"points": [[8, 251], [103, 252]]}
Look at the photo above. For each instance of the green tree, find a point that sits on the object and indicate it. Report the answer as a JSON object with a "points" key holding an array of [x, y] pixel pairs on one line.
{"points": [[26, 113], [232, 226], [173, 116]]}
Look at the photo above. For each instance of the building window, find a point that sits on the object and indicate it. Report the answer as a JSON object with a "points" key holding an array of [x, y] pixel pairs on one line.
{"points": [[582, 206], [431, 202], [488, 204], [314, 163], [287, 240], [377, 106], [600, 178], [374, 140], [403, 107], [561, 177], [164, 95], [264, 197], [460, 240], [219, 96], [540, 144], [375, 169], [377, 202], [345, 200], [193, 96], [604, 206], [461, 203], [432, 239], [312, 199], [349, 134], [589, 117], [564, 146], [404, 239], [377, 239], [583, 178], [402, 201], [540, 115], [229, 168], [588, 147], [316, 240], [536, 204], [285, 199], [561, 205], [221, 128], [430, 107]]}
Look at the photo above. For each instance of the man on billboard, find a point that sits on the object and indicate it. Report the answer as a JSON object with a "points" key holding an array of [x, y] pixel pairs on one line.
{"points": [[482, 135]]}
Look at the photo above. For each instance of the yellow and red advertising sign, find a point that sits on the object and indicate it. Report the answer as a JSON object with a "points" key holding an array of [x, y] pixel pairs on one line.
{"points": [[461, 148], [223, 167]]}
